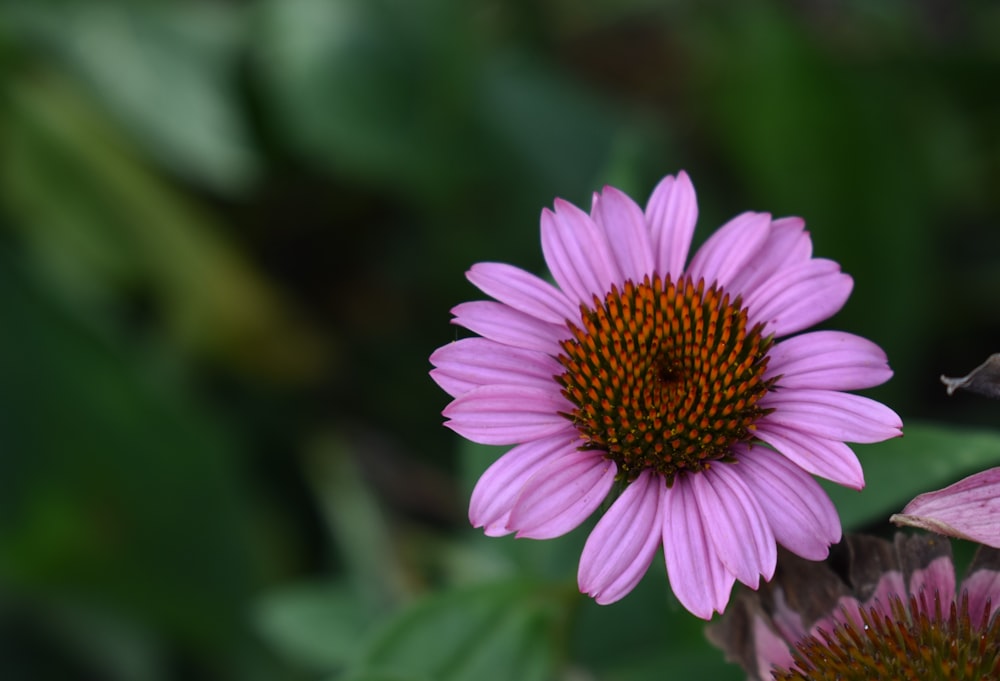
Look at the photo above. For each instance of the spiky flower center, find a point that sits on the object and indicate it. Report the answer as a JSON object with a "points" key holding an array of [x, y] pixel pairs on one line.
{"points": [[910, 642], [665, 376]]}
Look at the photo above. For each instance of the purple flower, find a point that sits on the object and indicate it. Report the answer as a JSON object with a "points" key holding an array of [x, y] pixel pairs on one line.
{"points": [[968, 509], [663, 375], [881, 611]]}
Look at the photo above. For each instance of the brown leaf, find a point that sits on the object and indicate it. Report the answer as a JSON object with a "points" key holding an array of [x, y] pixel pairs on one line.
{"points": [[984, 379]]}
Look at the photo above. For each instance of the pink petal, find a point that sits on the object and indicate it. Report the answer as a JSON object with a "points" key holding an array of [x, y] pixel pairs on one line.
{"points": [[799, 296], [936, 578], [847, 610], [790, 238], [523, 291], [508, 414], [787, 245], [697, 576], [619, 550], [890, 584], [787, 621], [727, 252], [736, 524], [828, 360], [625, 226], [500, 485], [506, 325], [770, 649], [968, 509], [832, 415], [671, 213], [562, 495], [826, 458], [471, 362], [577, 253], [800, 514], [983, 587]]}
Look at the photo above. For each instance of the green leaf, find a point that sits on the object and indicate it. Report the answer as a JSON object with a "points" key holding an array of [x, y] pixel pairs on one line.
{"points": [[357, 523], [927, 457], [167, 72], [103, 643], [379, 676], [116, 486], [119, 229], [646, 635], [318, 625], [500, 631], [369, 87], [554, 128]]}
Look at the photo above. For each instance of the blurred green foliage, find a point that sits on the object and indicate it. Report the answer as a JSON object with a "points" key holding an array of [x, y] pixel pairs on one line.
{"points": [[230, 234]]}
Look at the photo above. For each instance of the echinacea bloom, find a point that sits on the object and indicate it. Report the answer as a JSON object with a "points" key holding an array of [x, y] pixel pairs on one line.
{"points": [[968, 509], [663, 375], [888, 612]]}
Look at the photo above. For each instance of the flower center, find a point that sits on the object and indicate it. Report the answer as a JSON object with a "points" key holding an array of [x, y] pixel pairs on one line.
{"points": [[665, 376], [913, 642]]}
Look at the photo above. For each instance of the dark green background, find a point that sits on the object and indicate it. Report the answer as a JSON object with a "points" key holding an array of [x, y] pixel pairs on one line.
{"points": [[230, 235]]}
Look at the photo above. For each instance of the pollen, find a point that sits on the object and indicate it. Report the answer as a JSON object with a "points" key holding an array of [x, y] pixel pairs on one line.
{"points": [[664, 376]]}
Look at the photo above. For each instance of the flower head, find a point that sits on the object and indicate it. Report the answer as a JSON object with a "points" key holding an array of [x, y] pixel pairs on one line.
{"points": [[667, 376], [889, 612]]}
